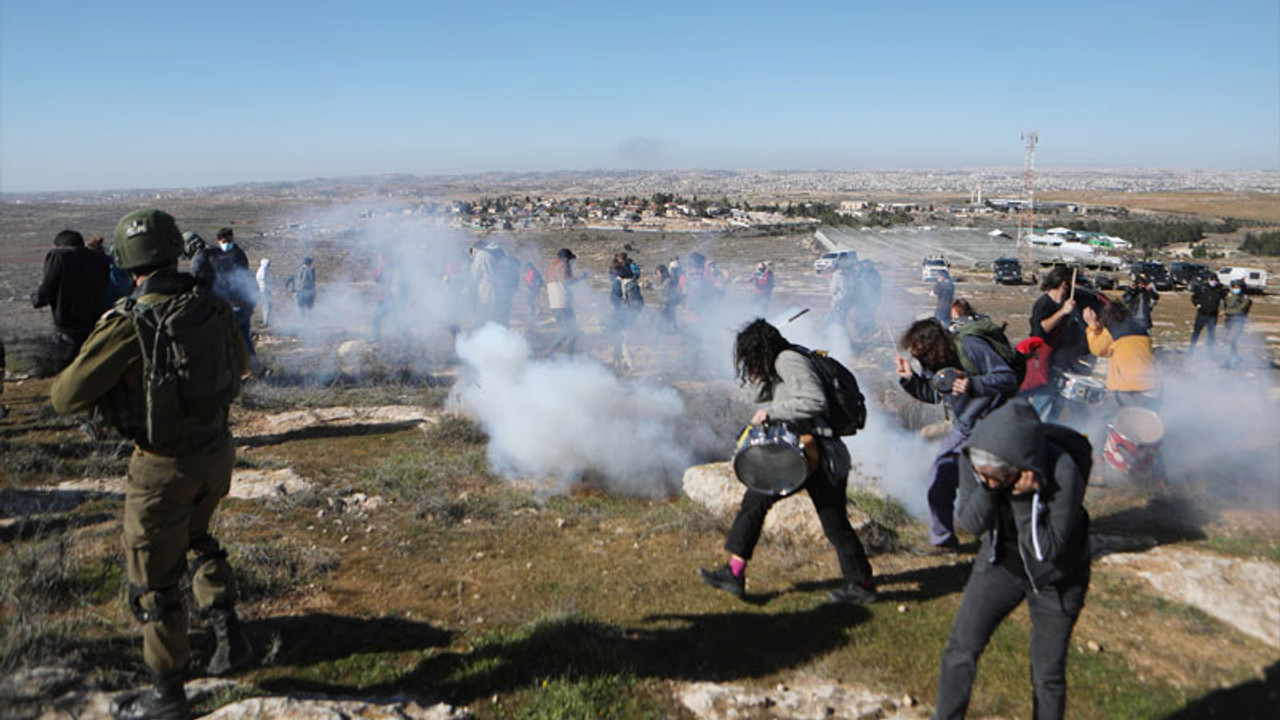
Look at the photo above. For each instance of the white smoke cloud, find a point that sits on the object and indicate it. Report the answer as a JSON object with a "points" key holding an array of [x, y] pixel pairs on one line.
{"points": [[564, 419]]}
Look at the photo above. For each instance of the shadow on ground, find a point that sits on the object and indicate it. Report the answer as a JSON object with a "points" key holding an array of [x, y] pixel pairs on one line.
{"points": [[1165, 520], [717, 647], [1257, 698]]}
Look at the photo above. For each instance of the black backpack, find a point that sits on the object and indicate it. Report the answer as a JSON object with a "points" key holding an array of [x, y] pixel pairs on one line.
{"points": [[846, 407], [993, 335]]}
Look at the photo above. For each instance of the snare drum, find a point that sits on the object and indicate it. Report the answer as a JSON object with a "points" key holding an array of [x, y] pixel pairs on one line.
{"points": [[769, 459], [1082, 389]]}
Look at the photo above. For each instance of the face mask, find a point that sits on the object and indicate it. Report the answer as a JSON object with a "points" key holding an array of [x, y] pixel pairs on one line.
{"points": [[1235, 291], [226, 246]]}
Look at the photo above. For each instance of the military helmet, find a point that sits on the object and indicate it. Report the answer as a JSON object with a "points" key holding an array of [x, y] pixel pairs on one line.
{"points": [[192, 244], [145, 239]]}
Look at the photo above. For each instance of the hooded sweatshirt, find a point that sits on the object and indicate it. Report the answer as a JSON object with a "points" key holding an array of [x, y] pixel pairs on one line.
{"points": [[1043, 535]]}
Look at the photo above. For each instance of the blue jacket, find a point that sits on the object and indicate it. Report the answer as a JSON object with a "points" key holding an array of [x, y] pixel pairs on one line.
{"points": [[988, 389]]}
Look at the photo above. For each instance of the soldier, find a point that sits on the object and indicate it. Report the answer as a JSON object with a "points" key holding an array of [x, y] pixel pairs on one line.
{"points": [[163, 367]]}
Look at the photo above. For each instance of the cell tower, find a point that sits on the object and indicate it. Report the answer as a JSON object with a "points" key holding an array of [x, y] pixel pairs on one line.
{"points": [[1027, 221]]}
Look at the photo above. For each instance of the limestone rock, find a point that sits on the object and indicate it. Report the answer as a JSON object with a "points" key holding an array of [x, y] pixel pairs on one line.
{"points": [[1240, 592], [791, 520], [289, 708], [804, 699]]}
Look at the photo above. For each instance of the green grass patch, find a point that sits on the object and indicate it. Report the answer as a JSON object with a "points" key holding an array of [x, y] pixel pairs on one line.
{"points": [[1246, 544], [884, 510]]}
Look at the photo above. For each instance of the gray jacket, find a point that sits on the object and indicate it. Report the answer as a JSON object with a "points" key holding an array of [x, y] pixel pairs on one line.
{"points": [[1049, 528], [798, 399]]}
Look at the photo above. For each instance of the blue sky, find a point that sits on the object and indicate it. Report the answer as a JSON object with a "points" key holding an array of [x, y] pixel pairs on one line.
{"points": [[99, 95]]}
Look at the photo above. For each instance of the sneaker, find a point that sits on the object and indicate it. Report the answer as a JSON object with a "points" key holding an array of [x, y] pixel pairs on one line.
{"points": [[854, 593], [723, 579]]}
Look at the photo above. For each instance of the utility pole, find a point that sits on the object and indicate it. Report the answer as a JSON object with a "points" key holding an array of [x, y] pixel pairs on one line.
{"points": [[1027, 221]]}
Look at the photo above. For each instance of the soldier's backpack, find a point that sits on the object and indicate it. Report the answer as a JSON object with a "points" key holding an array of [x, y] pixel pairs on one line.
{"points": [[846, 407], [189, 360], [993, 335]]}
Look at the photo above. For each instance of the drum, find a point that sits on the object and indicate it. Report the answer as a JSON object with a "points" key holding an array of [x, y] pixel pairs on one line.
{"points": [[770, 459], [1082, 389], [1133, 440]]}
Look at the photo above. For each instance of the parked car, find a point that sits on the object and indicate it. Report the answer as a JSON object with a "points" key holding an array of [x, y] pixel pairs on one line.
{"points": [[1007, 271], [932, 267], [1155, 271], [828, 261], [1255, 279], [1186, 273]]}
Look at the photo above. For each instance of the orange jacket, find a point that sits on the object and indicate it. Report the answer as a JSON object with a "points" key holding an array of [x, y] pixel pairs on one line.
{"points": [[1132, 366]]}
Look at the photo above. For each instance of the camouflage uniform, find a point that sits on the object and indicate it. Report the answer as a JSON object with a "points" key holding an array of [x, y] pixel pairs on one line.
{"points": [[172, 492]]}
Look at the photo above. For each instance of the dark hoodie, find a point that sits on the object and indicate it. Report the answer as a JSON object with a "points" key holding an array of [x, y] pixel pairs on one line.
{"points": [[1044, 535], [74, 285]]}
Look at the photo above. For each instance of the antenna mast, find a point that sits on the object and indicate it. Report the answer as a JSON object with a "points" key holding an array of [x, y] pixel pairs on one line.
{"points": [[1027, 222]]}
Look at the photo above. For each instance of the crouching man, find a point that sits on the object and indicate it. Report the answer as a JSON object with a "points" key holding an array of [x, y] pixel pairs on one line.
{"points": [[163, 366], [1021, 487]]}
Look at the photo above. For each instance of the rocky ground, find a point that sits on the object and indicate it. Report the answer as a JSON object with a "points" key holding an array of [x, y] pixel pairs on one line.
{"points": [[389, 571]]}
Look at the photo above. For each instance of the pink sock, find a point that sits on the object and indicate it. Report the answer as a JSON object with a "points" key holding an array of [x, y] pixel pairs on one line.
{"points": [[737, 566]]}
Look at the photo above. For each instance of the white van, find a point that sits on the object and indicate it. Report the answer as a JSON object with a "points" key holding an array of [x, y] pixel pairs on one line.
{"points": [[1255, 279]]}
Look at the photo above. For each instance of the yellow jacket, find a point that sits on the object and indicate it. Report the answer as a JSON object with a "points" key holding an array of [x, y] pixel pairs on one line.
{"points": [[1132, 366]]}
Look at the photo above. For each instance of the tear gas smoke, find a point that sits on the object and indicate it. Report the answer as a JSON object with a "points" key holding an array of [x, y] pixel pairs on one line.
{"points": [[563, 419]]}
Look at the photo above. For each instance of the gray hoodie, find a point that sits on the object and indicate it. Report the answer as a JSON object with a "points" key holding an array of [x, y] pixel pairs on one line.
{"points": [[1044, 534]]}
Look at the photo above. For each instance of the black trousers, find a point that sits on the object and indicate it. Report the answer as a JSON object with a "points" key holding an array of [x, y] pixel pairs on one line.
{"points": [[829, 500], [66, 346], [990, 595], [1203, 322]]}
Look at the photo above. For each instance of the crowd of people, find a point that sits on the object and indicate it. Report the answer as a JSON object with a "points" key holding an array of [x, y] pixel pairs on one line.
{"points": [[1006, 473]]}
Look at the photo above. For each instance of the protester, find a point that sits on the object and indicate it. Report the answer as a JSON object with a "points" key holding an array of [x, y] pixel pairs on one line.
{"points": [[866, 299], [264, 289], [74, 287], [495, 281], [235, 283], [841, 287], [668, 299], [560, 280], [303, 287], [119, 284], [627, 302], [970, 396], [1141, 299], [181, 465], [786, 381], [1207, 297], [944, 289], [1123, 339], [533, 284], [391, 296], [1056, 322], [1235, 310], [761, 289], [1022, 490]]}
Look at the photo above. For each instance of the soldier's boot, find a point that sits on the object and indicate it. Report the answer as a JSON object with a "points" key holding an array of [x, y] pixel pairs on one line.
{"points": [[166, 701], [233, 651]]}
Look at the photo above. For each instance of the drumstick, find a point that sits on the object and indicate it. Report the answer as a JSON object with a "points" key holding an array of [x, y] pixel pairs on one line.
{"points": [[1072, 296], [797, 316]]}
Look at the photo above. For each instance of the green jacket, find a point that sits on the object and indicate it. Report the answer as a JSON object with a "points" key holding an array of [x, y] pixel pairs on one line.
{"points": [[1237, 304], [110, 361]]}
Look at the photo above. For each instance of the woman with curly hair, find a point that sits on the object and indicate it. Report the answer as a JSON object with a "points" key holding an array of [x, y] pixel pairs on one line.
{"points": [[785, 380]]}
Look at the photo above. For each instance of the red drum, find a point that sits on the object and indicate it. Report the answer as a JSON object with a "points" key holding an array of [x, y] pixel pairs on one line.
{"points": [[1133, 441]]}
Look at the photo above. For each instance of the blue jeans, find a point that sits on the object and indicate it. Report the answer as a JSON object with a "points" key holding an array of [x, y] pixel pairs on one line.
{"points": [[944, 478]]}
